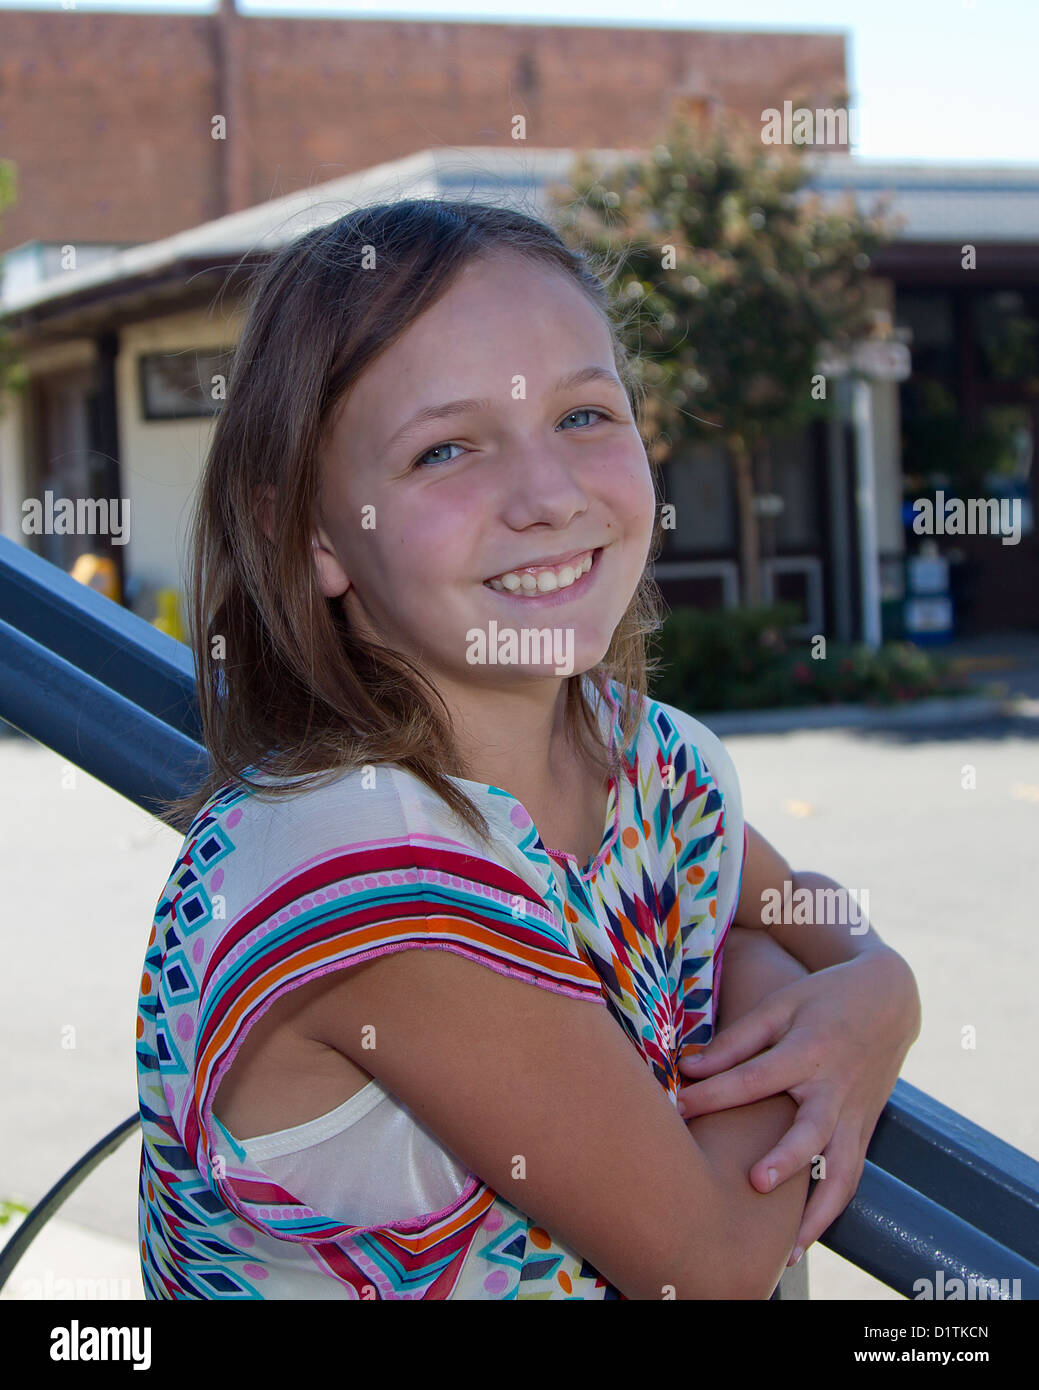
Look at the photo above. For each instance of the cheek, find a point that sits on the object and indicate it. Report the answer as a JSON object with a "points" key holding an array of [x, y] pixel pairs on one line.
{"points": [[431, 541], [632, 494], [449, 520]]}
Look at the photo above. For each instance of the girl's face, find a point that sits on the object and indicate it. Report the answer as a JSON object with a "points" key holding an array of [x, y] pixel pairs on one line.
{"points": [[416, 515]]}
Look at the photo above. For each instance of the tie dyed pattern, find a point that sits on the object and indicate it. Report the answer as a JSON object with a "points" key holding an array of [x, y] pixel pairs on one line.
{"points": [[265, 896]]}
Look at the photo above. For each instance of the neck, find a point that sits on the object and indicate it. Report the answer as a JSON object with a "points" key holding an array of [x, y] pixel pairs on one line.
{"points": [[515, 738]]}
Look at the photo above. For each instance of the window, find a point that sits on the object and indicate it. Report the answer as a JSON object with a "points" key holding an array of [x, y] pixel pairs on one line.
{"points": [[930, 317], [179, 385], [1007, 336], [698, 482], [792, 475]]}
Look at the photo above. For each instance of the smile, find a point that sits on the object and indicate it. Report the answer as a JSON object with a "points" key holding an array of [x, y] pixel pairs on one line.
{"points": [[536, 580]]}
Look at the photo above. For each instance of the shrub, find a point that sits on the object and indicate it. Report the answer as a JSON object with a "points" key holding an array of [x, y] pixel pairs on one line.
{"points": [[741, 658]]}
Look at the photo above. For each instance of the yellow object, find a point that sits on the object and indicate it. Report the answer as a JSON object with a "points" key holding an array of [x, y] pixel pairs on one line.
{"points": [[168, 619], [98, 572]]}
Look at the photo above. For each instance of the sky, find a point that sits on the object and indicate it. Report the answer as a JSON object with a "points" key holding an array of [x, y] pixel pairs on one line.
{"points": [[944, 80]]}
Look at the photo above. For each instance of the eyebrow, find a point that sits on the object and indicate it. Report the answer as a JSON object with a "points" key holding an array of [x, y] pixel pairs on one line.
{"points": [[471, 405]]}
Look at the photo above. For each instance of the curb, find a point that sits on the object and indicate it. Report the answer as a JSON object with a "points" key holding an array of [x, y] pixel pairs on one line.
{"points": [[921, 714]]}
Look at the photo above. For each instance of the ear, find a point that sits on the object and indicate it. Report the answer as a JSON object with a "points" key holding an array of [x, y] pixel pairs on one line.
{"points": [[331, 577]]}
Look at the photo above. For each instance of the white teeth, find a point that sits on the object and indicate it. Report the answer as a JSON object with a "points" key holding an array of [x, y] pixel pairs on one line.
{"points": [[545, 581]]}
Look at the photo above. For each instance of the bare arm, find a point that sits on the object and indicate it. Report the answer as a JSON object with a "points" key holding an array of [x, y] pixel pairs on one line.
{"points": [[733, 1140], [836, 1038], [835, 930], [546, 1099]]}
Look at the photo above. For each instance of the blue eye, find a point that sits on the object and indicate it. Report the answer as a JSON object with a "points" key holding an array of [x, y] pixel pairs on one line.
{"points": [[420, 461], [435, 450], [587, 410]]}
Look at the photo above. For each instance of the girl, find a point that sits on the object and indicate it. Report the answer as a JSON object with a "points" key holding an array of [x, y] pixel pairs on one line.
{"points": [[438, 780]]}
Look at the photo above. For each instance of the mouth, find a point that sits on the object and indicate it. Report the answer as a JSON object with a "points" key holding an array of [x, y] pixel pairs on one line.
{"points": [[548, 585]]}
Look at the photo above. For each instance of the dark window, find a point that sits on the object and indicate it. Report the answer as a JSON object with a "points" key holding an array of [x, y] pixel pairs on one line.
{"points": [[698, 482], [1007, 328], [930, 317]]}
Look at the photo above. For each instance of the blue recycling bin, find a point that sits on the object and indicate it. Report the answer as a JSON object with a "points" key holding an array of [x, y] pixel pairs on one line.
{"points": [[929, 617]]}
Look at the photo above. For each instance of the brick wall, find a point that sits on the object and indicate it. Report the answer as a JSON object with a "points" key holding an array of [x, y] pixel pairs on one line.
{"points": [[108, 116]]}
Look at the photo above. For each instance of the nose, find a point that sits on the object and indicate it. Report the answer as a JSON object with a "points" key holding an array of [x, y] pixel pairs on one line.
{"points": [[545, 485]]}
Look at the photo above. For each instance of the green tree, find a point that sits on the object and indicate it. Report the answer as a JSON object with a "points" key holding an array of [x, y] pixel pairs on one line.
{"points": [[737, 274], [12, 372]]}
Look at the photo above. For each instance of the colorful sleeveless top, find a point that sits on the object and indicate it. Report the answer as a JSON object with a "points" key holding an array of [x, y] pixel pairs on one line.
{"points": [[267, 895]]}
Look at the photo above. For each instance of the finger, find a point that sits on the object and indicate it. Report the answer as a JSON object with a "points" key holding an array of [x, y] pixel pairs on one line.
{"points": [[745, 1038], [769, 1074], [807, 1138], [831, 1195]]}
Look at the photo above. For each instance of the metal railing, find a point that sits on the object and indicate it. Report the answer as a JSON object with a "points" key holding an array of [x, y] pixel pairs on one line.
{"points": [[116, 697]]}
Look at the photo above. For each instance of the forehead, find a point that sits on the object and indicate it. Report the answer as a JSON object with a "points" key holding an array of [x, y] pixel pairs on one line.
{"points": [[502, 316]]}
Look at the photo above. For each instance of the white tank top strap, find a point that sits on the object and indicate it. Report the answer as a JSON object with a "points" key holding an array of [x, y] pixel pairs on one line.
{"points": [[286, 1141]]}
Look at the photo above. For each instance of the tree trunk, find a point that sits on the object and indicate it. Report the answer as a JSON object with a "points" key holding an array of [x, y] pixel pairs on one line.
{"points": [[750, 569], [762, 465]]}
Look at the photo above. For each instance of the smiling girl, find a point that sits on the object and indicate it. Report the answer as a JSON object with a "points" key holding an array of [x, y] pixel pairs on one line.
{"points": [[442, 931]]}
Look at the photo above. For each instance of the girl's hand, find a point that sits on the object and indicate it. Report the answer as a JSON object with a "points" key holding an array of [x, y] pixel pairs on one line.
{"points": [[835, 1041]]}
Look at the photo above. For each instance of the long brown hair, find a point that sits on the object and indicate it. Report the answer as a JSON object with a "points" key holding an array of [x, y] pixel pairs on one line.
{"points": [[284, 685]]}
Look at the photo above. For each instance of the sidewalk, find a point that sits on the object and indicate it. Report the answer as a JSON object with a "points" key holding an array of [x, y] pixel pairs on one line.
{"points": [[1011, 657], [66, 1261]]}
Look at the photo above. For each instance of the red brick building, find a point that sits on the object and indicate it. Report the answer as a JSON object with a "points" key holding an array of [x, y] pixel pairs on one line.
{"points": [[109, 118]]}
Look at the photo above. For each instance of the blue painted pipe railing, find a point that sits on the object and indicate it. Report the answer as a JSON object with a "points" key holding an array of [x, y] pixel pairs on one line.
{"points": [[940, 1198]]}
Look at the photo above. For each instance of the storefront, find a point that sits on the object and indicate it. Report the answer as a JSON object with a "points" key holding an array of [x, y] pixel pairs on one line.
{"points": [[961, 286]]}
